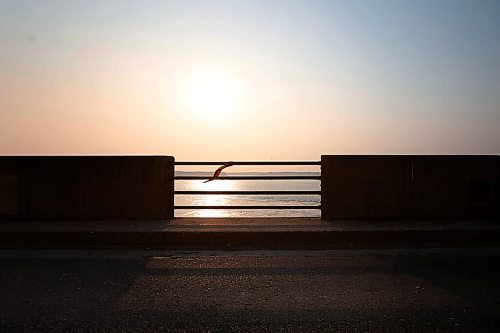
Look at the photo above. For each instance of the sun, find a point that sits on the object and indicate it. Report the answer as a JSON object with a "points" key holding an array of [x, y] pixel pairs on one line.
{"points": [[210, 93]]}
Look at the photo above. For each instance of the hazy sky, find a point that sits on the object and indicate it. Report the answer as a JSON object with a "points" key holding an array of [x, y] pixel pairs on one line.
{"points": [[238, 80]]}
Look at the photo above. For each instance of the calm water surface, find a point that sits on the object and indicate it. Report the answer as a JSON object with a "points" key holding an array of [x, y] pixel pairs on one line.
{"points": [[247, 185]]}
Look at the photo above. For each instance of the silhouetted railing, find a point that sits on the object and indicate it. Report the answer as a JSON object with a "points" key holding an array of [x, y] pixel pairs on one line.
{"points": [[251, 177]]}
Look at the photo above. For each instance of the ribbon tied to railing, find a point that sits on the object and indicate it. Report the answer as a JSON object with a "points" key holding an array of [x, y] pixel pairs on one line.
{"points": [[218, 171]]}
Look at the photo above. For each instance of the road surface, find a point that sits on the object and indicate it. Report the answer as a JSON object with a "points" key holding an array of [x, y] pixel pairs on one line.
{"points": [[434, 290]]}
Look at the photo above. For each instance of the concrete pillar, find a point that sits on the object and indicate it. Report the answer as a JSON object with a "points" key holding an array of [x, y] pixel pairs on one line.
{"points": [[87, 187], [410, 187]]}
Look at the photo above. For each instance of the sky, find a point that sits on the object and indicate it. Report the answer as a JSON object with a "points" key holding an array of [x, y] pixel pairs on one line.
{"points": [[249, 80]]}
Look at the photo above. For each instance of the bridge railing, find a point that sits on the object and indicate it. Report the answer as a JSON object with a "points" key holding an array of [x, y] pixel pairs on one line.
{"points": [[250, 177]]}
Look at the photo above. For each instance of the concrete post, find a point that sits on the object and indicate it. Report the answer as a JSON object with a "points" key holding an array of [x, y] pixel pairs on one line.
{"points": [[87, 187], [410, 187]]}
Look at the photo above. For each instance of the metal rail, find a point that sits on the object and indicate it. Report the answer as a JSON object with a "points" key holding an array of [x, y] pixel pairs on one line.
{"points": [[249, 192], [247, 207], [249, 177], [250, 163]]}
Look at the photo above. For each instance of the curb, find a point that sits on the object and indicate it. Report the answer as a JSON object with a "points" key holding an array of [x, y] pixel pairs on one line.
{"points": [[256, 239]]}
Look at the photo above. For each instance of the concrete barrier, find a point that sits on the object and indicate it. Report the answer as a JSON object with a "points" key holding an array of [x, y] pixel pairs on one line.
{"points": [[87, 188], [410, 187]]}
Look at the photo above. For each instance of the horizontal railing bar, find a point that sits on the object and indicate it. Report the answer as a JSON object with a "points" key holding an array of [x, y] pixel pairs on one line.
{"points": [[250, 163], [250, 177], [247, 207], [250, 192]]}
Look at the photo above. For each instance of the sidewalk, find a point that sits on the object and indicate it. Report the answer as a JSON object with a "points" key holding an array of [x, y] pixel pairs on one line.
{"points": [[246, 233]]}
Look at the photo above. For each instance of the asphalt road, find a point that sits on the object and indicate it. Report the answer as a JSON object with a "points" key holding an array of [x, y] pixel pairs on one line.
{"points": [[291, 291]]}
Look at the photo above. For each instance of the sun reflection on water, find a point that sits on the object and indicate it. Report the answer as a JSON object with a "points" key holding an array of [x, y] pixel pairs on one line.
{"points": [[213, 199], [243, 200]]}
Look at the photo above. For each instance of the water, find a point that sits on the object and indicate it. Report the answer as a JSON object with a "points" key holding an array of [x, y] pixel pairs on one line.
{"points": [[239, 200]]}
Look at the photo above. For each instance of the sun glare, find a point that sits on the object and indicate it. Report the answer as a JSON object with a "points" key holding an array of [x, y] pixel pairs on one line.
{"points": [[214, 200], [211, 93]]}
